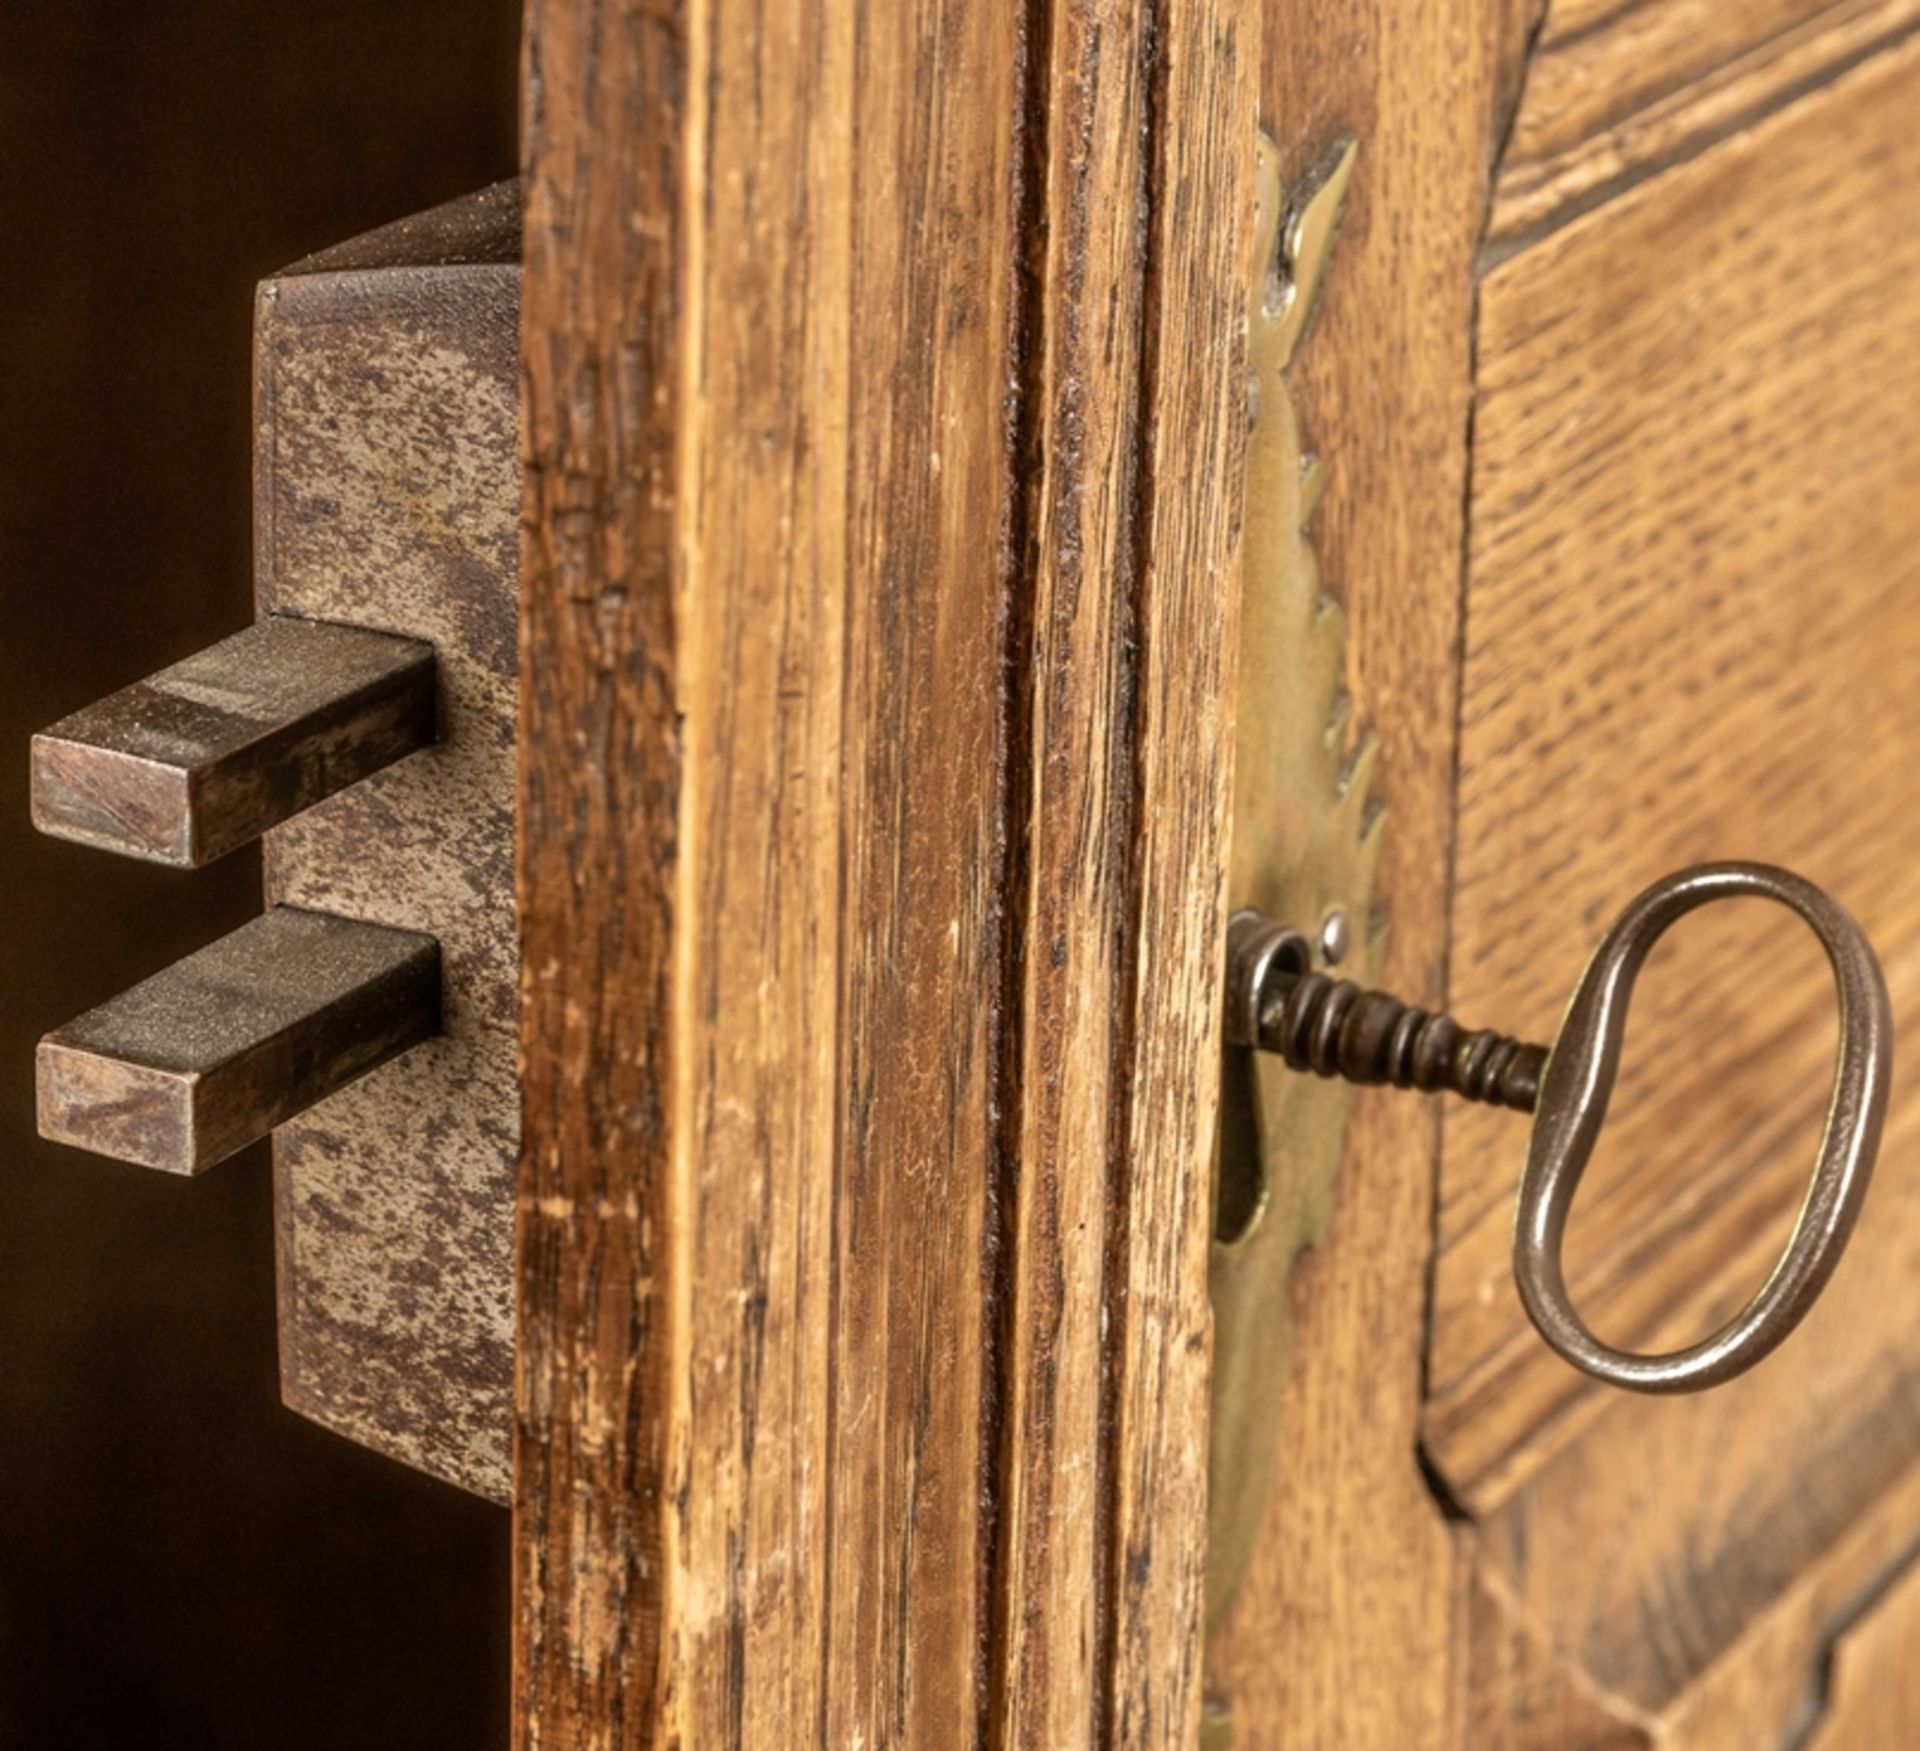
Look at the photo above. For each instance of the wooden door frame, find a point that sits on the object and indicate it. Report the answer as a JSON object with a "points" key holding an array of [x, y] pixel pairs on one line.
{"points": [[882, 408]]}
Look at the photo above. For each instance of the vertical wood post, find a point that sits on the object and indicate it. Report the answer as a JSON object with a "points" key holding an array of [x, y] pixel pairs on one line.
{"points": [[882, 414]]}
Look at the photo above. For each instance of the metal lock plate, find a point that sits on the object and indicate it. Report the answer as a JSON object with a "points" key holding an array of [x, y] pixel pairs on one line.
{"points": [[387, 496], [1305, 839]]}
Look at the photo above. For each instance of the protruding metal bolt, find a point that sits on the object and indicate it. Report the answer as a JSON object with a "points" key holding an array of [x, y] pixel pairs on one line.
{"points": [[204, 757], [212, 1053]]}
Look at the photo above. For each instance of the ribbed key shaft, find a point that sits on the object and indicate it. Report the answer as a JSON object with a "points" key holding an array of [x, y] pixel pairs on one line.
{"points": [[1334, 1027]]}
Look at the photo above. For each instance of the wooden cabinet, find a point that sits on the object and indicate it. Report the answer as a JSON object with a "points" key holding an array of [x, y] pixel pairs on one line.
{"points": [[884, 418], [884, 424], [1692, 620]]}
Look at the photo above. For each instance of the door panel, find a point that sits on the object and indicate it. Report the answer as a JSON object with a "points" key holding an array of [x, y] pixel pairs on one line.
{"points": [[1688, 633], [1689, 629], [1616, 94], [1872, 1686]]}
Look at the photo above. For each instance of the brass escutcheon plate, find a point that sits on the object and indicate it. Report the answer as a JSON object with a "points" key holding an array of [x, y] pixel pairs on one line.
{"points": [[1305, 838]]}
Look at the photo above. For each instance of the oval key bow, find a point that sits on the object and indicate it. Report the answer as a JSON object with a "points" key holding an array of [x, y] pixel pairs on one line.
{"points": [[1277, 1002]]}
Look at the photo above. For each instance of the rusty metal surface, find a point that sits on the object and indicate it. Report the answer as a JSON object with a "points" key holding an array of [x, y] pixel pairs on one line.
{"points": [[209, 1055], [482, 227], [205, 756], [387, 495]]}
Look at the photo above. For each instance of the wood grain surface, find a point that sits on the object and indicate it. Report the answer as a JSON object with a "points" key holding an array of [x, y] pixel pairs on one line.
{"points": [[1690, 632], [601, 1271], [1121, 662], [882, 414], [880, 374], [1068, 852], [1194, 421], [764, 657], [931, 96], [1616, 94], [1687, 597], [1872, 1682], [1689, 635], [1344, 1633]]}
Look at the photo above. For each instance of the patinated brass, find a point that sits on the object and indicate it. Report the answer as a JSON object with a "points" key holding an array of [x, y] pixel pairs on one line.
{"points": [[1305, 839]]}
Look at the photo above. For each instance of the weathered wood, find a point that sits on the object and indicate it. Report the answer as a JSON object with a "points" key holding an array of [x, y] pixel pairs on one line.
{"points": [[759, 1104], [1690, 590], [1519, 1693], [1121, 666], [762, 669], [926, 581], [1194, 417], [1531, 1688], [1677, 521], [861, 1312], [602, 1238], [1616, 94], [1872, 1691], [1070, 808], [1685, 414], [876, 712], [793, 810]]}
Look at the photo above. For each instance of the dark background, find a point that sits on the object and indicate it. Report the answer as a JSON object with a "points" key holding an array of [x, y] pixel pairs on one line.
{"points": [[183, 1563]]}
